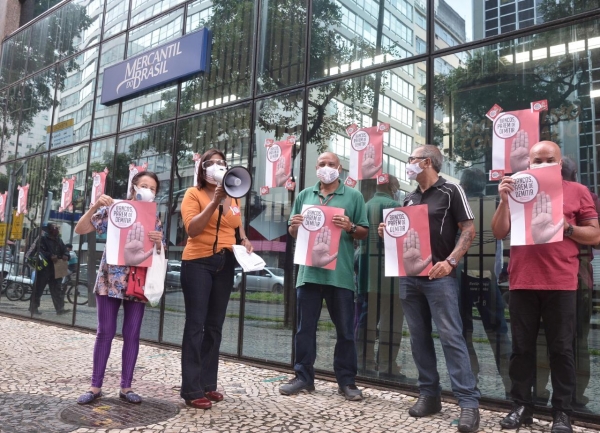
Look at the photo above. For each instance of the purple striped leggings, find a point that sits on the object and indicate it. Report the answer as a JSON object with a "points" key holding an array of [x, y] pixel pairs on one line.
{"points": [[108, 309]]}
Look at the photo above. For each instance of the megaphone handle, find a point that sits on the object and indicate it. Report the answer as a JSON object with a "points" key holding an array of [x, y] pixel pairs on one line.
{"points": [[218, 225]]}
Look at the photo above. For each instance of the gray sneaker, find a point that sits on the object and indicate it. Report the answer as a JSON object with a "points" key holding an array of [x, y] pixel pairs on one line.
{"points": [[294, 386], [351, 392]]}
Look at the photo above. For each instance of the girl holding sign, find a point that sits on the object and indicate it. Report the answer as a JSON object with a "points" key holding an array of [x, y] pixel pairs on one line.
{"points": [[207, 269], [110, 288]]}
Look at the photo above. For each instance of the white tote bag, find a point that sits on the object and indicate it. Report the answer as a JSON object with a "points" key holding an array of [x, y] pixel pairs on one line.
{"points": [[155, 277]]}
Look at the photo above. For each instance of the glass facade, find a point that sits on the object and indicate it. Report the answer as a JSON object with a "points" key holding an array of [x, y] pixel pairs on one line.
{"points": [[306, 69]]}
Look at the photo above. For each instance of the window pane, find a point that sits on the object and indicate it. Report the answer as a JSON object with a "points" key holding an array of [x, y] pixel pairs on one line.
{"points": [[156, 32], [350, 35], [33, 174], [73, 114], [233, 33], [36, 113], [229, 131], [148, 108], [105, 117], [281, 49], [13, 60], [115, 20], [268, 327], [529, 70], [10, 107], [141, 10]]}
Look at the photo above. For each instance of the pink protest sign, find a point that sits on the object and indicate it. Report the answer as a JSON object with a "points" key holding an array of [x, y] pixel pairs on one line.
{"points": [[536, 207], [366, 154], [278, 166], [407, 242], [318, 238], [2, 205], [98, 184], [133, 170], [22, 199], [127, 241], [197, 159], [66, 198]]}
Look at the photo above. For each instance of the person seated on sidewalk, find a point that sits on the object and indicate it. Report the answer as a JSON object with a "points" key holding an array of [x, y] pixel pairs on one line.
{"points": [[110, 290]]}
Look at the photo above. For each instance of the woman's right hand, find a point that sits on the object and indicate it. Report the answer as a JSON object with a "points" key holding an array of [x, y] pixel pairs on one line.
{"points": [[220, 194], [103, 200]]}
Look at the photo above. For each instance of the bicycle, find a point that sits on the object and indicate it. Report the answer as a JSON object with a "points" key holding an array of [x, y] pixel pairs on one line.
{"points": [[68, 287]]}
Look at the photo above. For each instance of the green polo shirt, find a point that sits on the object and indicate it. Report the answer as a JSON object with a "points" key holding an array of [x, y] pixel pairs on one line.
{"points": [[354, 204], [371, 274]]}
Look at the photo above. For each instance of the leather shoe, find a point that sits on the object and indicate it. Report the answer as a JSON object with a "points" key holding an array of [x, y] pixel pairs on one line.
{"points": [[213, 396], [518, 416], [350, 392], [199, 403], [561, 423], [426, 405], [469, 420]]}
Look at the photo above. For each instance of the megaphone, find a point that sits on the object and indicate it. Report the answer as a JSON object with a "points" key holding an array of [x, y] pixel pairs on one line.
{"points": [[236, 180]]}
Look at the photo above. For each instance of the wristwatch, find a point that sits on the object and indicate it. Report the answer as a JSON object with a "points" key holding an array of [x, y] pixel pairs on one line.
{"points": [[452, 261], [569, 231], [352, 229]]}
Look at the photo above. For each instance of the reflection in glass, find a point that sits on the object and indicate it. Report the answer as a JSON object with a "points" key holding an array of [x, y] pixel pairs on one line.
{"points": [[10, 106], [156, 32], [115, 19], [230, 72], [13, 60], [32, 174], [282, 45], [142, 10], [75, 96], [38, 96], [355, 34], [148, 108], [106, 117]]}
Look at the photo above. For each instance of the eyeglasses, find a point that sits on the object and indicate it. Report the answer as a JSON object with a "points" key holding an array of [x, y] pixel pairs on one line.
{"points": [[212, 162], [413, 158]]}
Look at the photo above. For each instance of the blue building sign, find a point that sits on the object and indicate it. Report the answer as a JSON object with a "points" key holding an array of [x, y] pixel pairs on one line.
{"points": [[177, 59]]}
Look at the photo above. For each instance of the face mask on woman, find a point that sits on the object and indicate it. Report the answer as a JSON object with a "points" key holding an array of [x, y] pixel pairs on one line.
{"points": [[327, 174], [209, 174], [542, 164], [143, 194]]}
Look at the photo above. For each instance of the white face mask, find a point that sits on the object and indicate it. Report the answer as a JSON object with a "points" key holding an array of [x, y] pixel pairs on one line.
{"points": [[413, 170], [327, 174], [143, 194], [541, 165], [209, 174]]}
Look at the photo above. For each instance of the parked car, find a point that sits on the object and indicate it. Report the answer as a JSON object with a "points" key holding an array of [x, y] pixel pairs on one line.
{"points": [[266, 280], [173, 281]]}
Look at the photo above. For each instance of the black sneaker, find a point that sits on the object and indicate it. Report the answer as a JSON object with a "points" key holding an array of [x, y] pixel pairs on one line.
{"points": [[295, 386], [426, 405]]}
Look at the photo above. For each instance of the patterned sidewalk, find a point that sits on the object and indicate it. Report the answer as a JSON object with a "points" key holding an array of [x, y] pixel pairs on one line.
{"points": [[45, 368]]}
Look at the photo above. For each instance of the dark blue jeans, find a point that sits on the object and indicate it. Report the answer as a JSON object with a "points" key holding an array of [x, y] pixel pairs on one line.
{"points": [[206, 285], [423, 300], [340, 304]]}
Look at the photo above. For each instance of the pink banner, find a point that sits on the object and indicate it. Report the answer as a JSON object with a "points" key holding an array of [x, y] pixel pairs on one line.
{"points": [[66, 198], [536, 207], [318, 238], [514, 133], [127, 241], [98, 184], [278, 161], [133, 170], [22, 199], [366, 154], [2, 205], [196, 159], [407, 242]]}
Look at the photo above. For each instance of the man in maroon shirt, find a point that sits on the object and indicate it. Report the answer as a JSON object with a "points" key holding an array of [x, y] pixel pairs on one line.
{"points": [[543, 284]]}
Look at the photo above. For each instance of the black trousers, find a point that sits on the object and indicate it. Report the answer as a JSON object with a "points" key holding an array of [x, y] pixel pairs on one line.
{"points": [[557, 309], [43, 277]]}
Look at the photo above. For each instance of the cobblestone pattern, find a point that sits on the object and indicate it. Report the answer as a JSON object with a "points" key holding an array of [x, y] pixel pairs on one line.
{"points": [[44, 369]]}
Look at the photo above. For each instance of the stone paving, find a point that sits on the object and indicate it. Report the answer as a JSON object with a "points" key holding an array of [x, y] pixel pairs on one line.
{"points": [[43, 369]]}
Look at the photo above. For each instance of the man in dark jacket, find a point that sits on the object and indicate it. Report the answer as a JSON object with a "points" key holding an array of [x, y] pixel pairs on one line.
{"points": [[53, 249]]}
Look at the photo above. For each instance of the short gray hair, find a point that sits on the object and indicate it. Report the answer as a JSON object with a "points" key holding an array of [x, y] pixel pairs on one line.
{"points": [[433, 153]]}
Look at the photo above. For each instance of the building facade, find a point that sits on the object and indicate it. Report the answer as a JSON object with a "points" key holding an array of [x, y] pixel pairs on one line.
{"points": [[430, 69]]}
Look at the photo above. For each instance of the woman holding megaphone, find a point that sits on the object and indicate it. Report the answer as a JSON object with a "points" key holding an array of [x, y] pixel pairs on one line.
{"points": [[211, 218]]}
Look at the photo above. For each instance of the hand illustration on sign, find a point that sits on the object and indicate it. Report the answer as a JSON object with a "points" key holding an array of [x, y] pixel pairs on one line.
{"points": [[280, 175], [413, 262], [542, 227], [320, 253], [369, 168], [519, 152], [134, 246]]}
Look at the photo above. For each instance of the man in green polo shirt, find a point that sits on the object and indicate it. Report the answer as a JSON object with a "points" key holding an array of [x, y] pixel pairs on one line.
{"points": [[335, 286]]}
